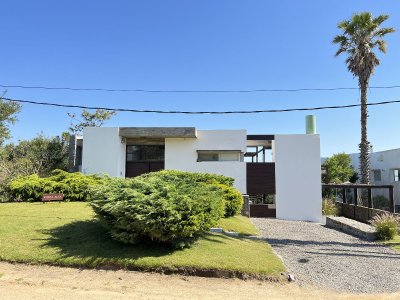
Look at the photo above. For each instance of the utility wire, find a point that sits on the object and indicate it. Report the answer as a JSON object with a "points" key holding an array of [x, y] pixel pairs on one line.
{"points": [[196, 91], [200, 112]]}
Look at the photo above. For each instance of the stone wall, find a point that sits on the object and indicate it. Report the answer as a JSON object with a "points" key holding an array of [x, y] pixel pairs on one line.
{"points": [[359, 213]]}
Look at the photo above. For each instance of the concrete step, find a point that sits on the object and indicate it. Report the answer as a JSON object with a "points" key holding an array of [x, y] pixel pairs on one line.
{"points": [[358, 229]]}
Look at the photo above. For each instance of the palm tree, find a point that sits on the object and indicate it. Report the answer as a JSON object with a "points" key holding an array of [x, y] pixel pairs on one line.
{"points": [[362, 34]]}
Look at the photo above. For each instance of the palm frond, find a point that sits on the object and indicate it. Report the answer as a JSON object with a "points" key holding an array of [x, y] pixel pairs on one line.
{"points": [[364, 18], [381, 45], [339, 39], [340, 51], [380, 19], [384, 31], [343, 25]]}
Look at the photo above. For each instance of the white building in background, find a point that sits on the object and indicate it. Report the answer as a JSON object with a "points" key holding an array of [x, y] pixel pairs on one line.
{"points": [[292, 173], [385, 169]]}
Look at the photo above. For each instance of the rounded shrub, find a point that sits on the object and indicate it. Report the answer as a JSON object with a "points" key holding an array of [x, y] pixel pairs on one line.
{"points": [[233, 200], [158, 207], [386, 226]]}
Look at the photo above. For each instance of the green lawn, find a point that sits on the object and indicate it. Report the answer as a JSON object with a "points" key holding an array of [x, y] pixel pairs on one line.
{"points": [[68, 234], [395, 243], [239, 224]]}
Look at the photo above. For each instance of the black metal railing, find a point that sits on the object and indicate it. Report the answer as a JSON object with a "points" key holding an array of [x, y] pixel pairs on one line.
{"points": [[344, 188]]}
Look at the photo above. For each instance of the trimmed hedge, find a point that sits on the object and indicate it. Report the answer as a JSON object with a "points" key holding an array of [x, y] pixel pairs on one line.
{"points": [[164, 207], [74, 186]]}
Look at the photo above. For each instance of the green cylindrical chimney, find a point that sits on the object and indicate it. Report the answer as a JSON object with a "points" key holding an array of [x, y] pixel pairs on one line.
{"points": [[311, 124]]}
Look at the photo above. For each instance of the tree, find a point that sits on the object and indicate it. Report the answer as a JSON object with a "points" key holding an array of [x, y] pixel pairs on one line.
{"points": [[362, 34], [40, 156], [88, 119], [340, 169], [8, 111]]}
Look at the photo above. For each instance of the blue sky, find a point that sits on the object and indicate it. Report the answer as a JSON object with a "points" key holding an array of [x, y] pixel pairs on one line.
{"points": [[200, 45]]}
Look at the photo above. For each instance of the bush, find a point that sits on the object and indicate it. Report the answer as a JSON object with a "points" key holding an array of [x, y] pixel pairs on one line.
{"points": [[233, 200], [329, 207], [381, 202], [163, 207], [74, 186], [5, 195], [386, 225]]}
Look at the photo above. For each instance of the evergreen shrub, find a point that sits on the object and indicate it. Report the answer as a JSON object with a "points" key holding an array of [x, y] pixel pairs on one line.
{"points": [[74, 186], [166, 207]]}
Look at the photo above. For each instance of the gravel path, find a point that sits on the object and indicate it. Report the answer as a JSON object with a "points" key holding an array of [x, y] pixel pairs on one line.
{"points": [[331, 259]]}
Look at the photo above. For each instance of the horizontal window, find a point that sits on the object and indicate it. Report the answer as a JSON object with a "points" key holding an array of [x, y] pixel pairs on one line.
{"points": [[219, 155]]}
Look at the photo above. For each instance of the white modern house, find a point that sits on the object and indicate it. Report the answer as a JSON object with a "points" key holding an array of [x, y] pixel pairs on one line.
{"points": [[286, 167], [385, 169]]}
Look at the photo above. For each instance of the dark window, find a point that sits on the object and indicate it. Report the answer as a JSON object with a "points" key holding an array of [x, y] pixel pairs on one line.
{"points": [[145, 153], [377, 175]]}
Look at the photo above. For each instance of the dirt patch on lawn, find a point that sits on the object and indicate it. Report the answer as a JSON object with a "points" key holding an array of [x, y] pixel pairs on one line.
{"points": [[20, 281]]}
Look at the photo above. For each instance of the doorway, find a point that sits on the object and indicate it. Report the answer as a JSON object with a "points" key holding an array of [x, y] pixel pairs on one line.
{"points": [[141, 159]]}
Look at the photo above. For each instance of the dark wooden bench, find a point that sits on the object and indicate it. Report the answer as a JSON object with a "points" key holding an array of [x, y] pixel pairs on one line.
{"points": [[52, 197]]}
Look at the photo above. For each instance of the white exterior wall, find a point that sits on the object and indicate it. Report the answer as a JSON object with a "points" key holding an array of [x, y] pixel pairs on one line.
{"points": [[103, 151], [385, 161], [181, 154], [298, 177]]}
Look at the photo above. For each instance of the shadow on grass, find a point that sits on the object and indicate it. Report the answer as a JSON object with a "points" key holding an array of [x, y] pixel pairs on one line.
{"points": [[91, 243], [91, 239], [87, 244]]}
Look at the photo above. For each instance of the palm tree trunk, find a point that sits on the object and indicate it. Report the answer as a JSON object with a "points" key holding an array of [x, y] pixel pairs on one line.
{"points": [[364, 145]]}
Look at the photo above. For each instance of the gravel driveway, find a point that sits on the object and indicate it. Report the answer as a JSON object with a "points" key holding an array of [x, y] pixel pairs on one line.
{"points": [[331, 259]]}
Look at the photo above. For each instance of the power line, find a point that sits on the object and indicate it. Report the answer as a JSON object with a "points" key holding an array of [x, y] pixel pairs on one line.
{"points": [[200, 112], [195, 91]]}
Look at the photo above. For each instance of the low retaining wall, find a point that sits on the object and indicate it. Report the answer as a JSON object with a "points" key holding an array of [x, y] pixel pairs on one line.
{"points": [[359, 213], [358, 229]]}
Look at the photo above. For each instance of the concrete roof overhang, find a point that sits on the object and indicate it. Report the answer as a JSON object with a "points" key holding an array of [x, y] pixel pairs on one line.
{"points": [[157, 132]]}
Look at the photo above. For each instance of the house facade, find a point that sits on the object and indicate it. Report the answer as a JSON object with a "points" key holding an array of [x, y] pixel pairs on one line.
{"points": [[385, 169], [280, 172]]}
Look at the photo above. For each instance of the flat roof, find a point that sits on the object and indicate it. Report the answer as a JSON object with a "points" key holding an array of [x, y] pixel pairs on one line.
{"points": [[157, 132]]}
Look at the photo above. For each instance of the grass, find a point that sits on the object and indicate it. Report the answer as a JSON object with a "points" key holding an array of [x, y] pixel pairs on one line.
{"points": [[329, 207], [394, 244], [67, 234], [239, 224]]}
